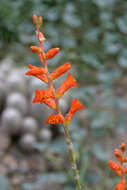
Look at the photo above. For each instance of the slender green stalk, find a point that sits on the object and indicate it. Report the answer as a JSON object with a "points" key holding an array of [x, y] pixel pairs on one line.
{"points": [[72, 158]]}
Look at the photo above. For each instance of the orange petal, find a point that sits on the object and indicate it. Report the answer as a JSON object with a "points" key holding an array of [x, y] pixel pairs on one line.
{"points": [[40, 95], [51, 53], [35, 70], [68, 83], [76, 105], [54, 119], [60, 70]]}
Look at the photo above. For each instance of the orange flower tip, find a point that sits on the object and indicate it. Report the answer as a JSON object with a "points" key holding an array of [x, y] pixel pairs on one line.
{"points": [[123, 146], [77, 105], [35, 49], [70, 78], [30, 66], [54, 119]]}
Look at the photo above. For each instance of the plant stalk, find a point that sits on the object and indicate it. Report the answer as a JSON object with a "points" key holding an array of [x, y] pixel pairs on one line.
{"points": [[72, 158]]}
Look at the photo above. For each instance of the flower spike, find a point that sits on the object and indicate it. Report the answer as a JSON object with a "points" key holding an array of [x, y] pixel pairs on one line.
{"points": [[119, 168], [50, 97], [68, 83], [55, 119], [51, 53], [74, 108], [60, 70]]}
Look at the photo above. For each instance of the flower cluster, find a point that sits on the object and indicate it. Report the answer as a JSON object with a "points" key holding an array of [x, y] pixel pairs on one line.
{"points": [[50, 96], [119, 169]]}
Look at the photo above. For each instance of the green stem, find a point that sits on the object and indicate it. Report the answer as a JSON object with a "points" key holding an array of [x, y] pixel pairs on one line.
{"points": [[72, 158]]}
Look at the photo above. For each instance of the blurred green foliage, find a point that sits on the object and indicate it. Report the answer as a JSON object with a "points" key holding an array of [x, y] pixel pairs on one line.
{"points": [[93, 36]]}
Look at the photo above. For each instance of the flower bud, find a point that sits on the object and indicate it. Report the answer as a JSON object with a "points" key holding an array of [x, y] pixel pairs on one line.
{"points": [[34, 18], [123, 146], [125, 159], [51, 53], [118, 154], [40, 19], [41, 37], [35, 49]]}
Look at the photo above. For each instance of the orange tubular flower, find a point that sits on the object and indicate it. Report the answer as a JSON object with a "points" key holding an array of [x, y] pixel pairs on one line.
{"points": [[35, 49], [51, 53], [115, 167], [74, 108], [68, 83], [41, 95], [60, 70], [37, 72], [54, 119]]}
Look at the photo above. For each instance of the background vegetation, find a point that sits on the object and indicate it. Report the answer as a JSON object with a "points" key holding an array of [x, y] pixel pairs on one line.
{"points": [[92, 35]]}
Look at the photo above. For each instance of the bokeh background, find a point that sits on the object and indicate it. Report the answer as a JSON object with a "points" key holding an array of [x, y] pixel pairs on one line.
{"points": [[92, 35]]}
